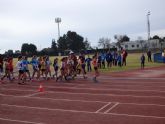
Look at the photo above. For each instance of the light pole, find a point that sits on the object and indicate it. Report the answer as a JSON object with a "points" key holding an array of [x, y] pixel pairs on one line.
{"points": [[58, 21], [148, 24]]}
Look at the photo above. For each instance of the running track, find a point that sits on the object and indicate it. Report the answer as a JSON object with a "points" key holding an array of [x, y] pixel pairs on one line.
{"points": [[132, 97]]}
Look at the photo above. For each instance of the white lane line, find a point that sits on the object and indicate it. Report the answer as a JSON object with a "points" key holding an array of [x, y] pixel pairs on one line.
{"points": [[132, 78], [30, 95], [75, 87], [104, 102], [100, 89], [26, 122], [86, 112], [94, 94], [112, 107], [40, 98], [103, 107], [140, 116]]}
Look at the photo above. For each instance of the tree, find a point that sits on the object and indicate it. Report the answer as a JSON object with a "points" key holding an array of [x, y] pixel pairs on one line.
{"points": [[125, 38], [104, 42], [121, 39], [71, 41], [9, 52], [62, 43], [118, 38], [54, 45], [28, 49], [75, 41], [32, 49], [156, 37], [87, 44], [24, 48], [161, 41]]}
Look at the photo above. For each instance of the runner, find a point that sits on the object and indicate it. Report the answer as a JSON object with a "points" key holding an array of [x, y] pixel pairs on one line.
{"points": [[55, 66], [25, 63], [22, 74], [62, 69], [48, 70], [95, 65], [7, 69], [1, 64], [35, 64]]}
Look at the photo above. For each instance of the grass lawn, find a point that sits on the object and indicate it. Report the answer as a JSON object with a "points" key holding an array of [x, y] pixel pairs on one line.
{"points": [[133, 62]]}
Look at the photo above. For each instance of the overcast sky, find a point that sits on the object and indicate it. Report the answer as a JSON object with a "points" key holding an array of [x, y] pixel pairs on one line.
{"points": [[33, 21]]}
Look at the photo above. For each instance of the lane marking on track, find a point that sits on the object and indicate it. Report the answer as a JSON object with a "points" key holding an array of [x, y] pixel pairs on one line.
{"points": [[76, 87], [41, 98], [26, 122], [103, 107], [86, 112], [128, 78], [30, 95], [121, 78], [131, 84], [112, 107], [101, 88], [106, 94]]}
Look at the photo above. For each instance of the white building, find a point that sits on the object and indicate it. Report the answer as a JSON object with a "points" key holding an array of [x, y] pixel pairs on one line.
{"points": [[138, 45]]}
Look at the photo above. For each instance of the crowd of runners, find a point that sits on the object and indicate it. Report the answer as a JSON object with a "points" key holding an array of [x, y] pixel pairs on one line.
{"points": [[67, 68]]}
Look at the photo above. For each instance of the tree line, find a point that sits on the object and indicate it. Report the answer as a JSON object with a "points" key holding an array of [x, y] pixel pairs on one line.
{"points": [[69, 41], [74, 42]]}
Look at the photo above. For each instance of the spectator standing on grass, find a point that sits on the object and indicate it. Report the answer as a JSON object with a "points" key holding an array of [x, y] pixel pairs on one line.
{"points": [[109, 59], [149, 54], [103, 57], [88, 61], [119, 60], [142, 59], [115, 55], [124, 57]]}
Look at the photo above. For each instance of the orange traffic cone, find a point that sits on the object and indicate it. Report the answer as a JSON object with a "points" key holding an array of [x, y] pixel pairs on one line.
{"points": [[41, 89]]}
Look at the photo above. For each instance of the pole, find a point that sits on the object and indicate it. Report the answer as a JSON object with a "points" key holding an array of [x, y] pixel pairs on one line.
{"points": [[148, 28], [58, 31], [58, 21], [148, 24]]}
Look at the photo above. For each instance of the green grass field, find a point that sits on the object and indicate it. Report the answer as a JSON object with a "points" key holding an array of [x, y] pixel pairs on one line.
{"points": [[133, 62]]}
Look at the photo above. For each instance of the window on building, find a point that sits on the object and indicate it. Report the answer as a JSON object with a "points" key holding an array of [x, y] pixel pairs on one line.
{"points": [[137, 45], [126, 46], [133, 46]]}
